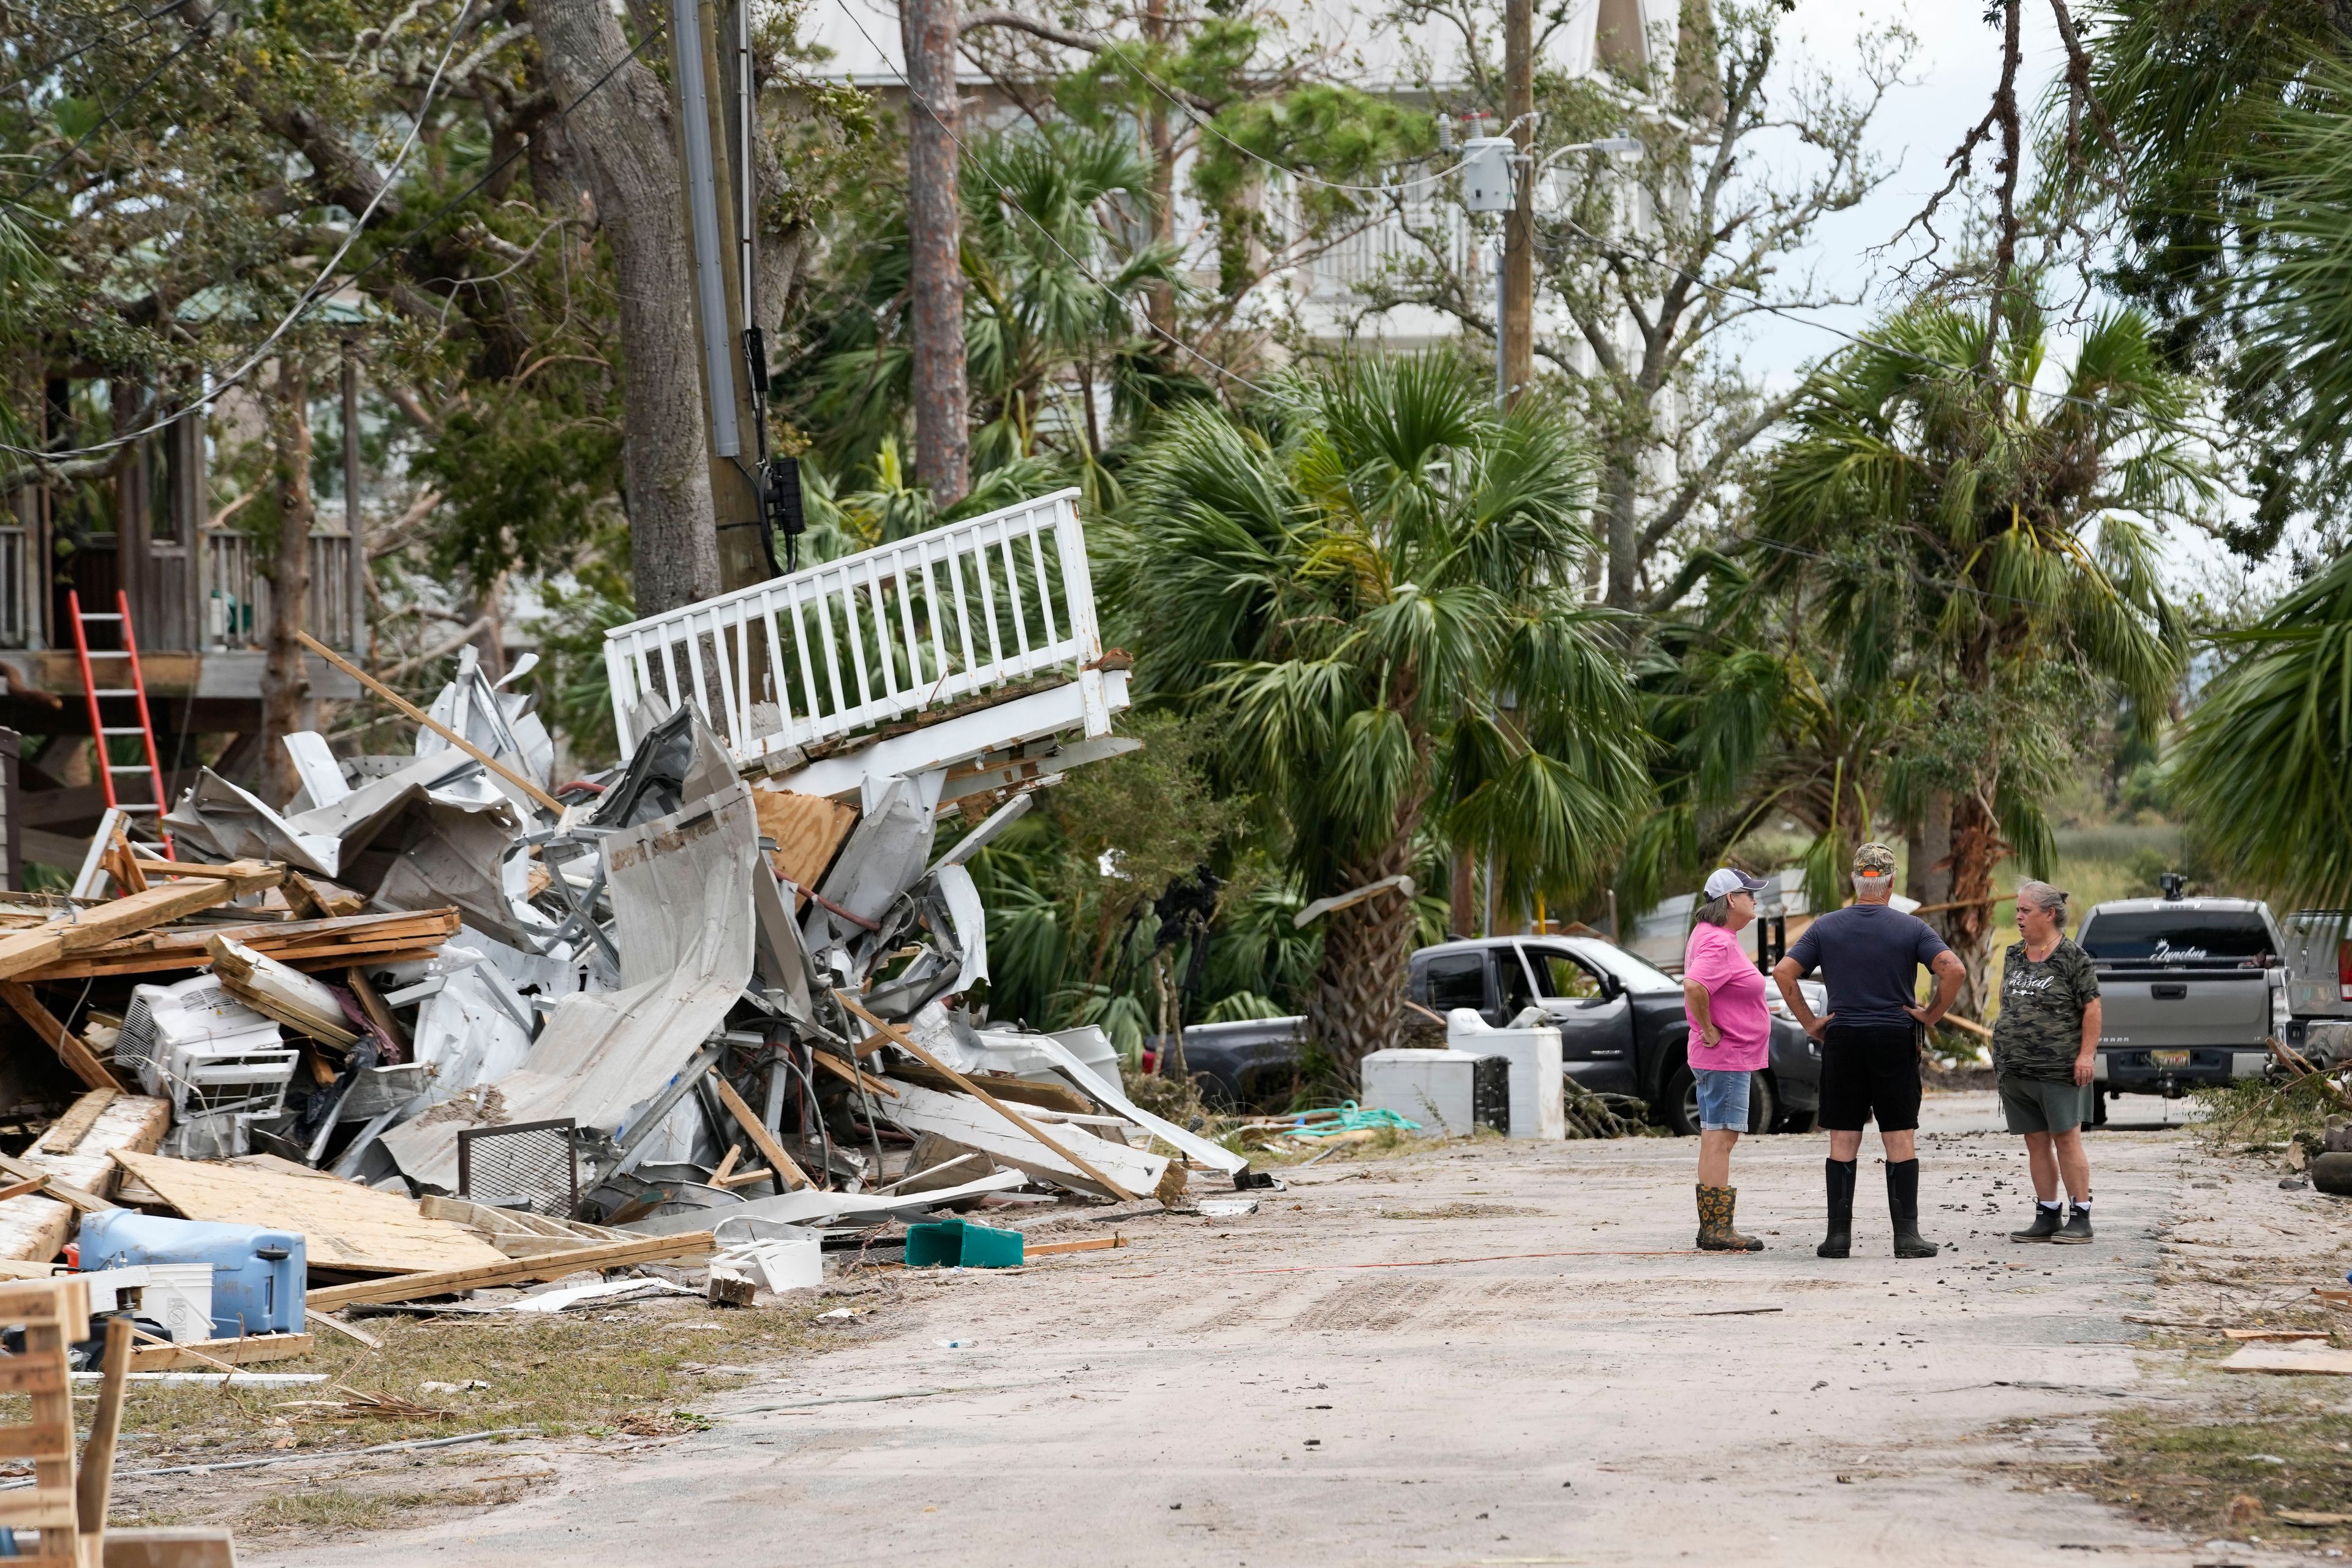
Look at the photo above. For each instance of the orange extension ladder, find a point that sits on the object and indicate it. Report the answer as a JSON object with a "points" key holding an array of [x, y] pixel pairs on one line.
{"points": [[135, 693]]}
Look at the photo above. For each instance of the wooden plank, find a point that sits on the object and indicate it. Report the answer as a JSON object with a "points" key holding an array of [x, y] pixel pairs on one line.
{"points": [[21, 1188], [1056, 1248], [848, 1074], [1020, 1091], [68, 1129], [346, 1225], [30, 1374], [205, 1355], [807, 830], [363, 990], [78, 1057], [23, 952], [420, 716], [327, 1320], [516, 1271], [34, 1443], [904, 1042], [345, 938], [95, 1486], [39, 1509], [242, 875], [770, 1150], [962, 1121], [82, 1200], [172, 1547]]}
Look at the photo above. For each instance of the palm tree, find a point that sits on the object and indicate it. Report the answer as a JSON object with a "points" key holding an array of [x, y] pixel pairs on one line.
{"points": [[1374, 589], [2261, 769], [1987, 550]]}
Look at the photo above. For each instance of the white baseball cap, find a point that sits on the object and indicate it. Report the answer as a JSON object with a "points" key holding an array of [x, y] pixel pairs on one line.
{"points": [[1725, 880]]}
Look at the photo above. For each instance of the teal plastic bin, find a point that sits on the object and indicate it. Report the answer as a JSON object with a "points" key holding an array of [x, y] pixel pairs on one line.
{"points": [[953, 1244]]}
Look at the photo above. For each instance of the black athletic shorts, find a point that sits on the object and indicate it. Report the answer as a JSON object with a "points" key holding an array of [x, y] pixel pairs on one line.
{"points": [[1870, 1071]]}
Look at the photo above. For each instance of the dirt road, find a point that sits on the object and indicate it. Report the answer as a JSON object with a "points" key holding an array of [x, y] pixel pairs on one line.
{"points": [[1559, 1381]]}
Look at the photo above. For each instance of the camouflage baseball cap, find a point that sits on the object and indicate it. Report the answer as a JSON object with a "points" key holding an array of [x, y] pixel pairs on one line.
{"points": [[1873, 860]]}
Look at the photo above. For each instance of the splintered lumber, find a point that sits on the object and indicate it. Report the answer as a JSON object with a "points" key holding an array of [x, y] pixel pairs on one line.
{"points": [[242, 876], [848, 1074], [56, 1037], [24, 951], [279, 992], [305, 945], [345, 1225], [516, 1271], [1019, 1090], [762, 1139], [538, 795], [904, 1042], [807, 831], [960, 1119], [73, 1163], [94, 1488], [212, 1354], [1092, 1244]]}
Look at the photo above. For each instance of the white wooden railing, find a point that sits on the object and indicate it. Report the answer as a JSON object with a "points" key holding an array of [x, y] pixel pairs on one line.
{"points": [[883, 634]]}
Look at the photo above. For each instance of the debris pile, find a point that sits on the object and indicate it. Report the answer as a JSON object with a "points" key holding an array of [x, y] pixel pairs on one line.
{"points": [[437, 1024]]}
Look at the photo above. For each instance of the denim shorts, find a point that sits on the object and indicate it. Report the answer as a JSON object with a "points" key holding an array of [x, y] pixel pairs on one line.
{"points": [[1722, 1099]]}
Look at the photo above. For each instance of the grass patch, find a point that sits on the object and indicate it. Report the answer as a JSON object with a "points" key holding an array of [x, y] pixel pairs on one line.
{"points": [[640, 1368], [2232, 1471], [334, 1508]]}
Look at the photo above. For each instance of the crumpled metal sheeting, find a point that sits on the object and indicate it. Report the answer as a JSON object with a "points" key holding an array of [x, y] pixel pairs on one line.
{"points": [[499, 723], [681, 891], [448, 856], [222, 821]]}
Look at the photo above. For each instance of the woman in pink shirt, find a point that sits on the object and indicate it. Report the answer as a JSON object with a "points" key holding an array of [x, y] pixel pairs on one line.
{"points": [[1730, 1038]]}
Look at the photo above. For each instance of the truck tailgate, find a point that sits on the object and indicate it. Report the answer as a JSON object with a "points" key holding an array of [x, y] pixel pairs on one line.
{"points": [[2185, 1008]]}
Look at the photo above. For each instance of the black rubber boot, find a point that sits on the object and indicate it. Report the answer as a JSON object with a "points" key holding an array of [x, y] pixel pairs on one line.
{"points": [[1903, 1206], [2078, 1226], [1839, 1243], [2044, 1225]]}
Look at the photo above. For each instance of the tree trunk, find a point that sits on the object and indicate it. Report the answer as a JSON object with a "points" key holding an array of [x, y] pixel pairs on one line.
{"points": [[1619, 496], [1161, 147], [935, 230], [622, 140], [1968, 926], [1519, 224], [1360, 986], [285, 678]]}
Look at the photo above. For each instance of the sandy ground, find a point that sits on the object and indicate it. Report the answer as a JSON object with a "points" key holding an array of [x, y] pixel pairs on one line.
{"points": [[1491, 1355]]}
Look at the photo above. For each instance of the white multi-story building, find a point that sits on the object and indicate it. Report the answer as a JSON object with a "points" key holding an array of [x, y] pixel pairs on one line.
{"points": [[1319, 287]]}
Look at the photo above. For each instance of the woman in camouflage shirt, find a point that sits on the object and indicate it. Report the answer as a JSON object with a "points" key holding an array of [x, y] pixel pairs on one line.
{"points": [[2044, 1045]]}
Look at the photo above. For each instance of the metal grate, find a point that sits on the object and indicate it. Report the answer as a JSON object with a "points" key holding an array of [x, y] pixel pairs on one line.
{"points": [[530, 1163]]}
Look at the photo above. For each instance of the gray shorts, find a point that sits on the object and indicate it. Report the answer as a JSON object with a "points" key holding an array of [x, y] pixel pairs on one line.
{"points": [[2034, 1105]]}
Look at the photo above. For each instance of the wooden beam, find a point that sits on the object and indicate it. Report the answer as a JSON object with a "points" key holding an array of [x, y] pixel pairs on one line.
{"points": [[221, 1356], [247, 876], [762, 1139], [64, 1191], [900, 1038], [94, 1488], [56, 1037], [1056, 1248], [515, 1271], [430, 722], [848, 1074], [98, 924]]}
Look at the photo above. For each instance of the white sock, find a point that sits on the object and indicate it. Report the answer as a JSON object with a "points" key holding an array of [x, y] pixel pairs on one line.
{"points": [[2082, 1204], [2052, 1204]]}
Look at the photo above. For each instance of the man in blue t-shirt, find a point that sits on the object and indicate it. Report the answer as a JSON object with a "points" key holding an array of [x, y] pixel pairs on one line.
{"points": [[1869, 955]]}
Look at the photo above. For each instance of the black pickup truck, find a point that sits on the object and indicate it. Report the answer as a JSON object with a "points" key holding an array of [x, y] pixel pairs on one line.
{"points": [[1622, 1028]]}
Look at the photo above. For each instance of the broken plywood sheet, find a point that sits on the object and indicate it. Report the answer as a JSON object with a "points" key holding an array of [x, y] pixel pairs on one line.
{"points": [[806, 829], [77, 1149], [2289, 1358], [347, 1226], [963, 1120]]}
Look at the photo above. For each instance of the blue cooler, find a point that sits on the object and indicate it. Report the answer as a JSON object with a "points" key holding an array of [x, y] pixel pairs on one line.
{"points": [[257, 1273]]}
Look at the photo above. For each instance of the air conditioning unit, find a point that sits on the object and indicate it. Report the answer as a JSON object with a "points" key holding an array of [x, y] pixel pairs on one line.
{"points": [[205, 1051]]}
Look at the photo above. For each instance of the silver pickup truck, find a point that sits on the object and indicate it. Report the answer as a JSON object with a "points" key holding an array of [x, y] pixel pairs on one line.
{"points": [[2193, 989]]}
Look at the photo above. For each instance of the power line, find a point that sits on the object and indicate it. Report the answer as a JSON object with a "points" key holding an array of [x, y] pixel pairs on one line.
{"points": [[317, 290], [1005, 192]]}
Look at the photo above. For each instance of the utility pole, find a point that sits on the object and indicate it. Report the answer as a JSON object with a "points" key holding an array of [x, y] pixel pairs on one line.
{"points": [[721, 298], [1518, 264], [934, 230]]}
